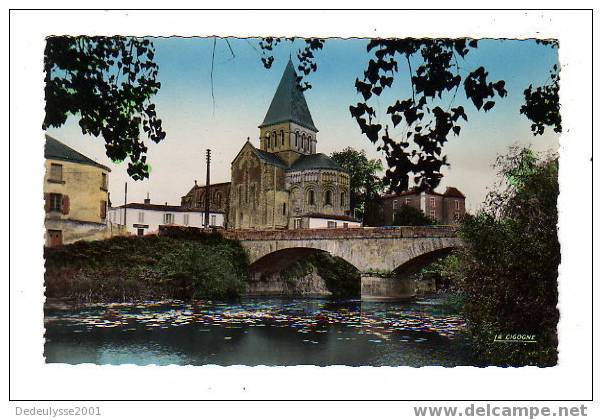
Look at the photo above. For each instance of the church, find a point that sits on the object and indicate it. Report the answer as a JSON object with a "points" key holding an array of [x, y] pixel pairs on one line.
{"points": [[285, 183]]}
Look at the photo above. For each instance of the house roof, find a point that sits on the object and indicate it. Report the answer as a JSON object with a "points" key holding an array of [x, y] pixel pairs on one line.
{"points": [[453, 192], [288, 103], [54, 149], [164, 207], [316, 161], [449, 192]]}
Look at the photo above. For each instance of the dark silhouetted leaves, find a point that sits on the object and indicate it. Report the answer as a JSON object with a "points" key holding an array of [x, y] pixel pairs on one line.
{"points": [[419, 152], [542, 105], [107, 82]]}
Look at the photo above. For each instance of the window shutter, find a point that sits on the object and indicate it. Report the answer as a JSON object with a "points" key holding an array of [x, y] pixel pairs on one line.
{"points": [[65, 204], [46, 202]]}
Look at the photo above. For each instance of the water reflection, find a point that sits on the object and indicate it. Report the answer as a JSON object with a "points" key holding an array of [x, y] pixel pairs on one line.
{"points": [[257, 331]]}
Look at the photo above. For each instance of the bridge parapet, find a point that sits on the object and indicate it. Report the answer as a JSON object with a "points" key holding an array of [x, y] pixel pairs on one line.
{"points": [[351, 233]]}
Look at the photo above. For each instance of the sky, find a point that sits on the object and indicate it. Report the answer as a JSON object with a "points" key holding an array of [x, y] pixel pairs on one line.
{"points": [[243, 89]]}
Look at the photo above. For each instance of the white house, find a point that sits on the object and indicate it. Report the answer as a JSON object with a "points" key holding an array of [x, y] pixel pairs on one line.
{"points": [[323, 221], [145, 218]]}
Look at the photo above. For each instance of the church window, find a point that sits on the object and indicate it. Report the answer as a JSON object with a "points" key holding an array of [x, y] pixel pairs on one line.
{"points": [[309, 143], [282, 137], [343, 199], [328, 198], [274, 139], [217, 198], [303, 141], [296, 139], [240, 195], [311, 198], [284, 209]]}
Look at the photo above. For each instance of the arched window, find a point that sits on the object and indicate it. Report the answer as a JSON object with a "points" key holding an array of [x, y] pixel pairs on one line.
{"points": [[303, 141], [217, 198], [343, 201], [274, 139], [284, 209], [266, 140], [328, 198], [296, 139], [309, 143], [282, 137], [311, 197]]}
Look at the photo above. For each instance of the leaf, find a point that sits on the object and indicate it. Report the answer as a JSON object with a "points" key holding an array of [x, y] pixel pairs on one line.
{"points": [[488, 105]]}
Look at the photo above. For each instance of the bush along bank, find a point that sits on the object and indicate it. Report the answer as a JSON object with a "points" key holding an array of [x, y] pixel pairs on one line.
{"points": [[510, 265], [200, 265]]}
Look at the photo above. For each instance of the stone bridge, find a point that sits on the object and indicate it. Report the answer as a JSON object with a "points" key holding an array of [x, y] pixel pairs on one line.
{"points": [[385, 257]]}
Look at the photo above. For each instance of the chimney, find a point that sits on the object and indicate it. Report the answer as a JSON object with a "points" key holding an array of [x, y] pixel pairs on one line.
{"points": [[147, 199], [195, 183]]}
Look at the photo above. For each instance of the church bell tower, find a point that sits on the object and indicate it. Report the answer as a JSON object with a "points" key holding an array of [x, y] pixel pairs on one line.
{"points": [[288, 129]]}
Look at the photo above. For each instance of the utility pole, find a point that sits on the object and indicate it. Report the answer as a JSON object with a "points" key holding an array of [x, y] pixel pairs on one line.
{"points": [[125, 206], [207, 189]]}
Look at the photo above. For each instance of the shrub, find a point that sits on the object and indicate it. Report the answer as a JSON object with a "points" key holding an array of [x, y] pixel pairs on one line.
{"points": [[510, 263], [411, 216]]}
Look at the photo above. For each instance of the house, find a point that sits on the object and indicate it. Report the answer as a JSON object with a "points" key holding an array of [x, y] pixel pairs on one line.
{"points": [[75, 195], [447, 208], [145, 218], [285, 183]]}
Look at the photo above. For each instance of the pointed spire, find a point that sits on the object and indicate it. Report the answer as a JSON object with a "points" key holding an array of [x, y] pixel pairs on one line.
{"points": [[289, 102]]}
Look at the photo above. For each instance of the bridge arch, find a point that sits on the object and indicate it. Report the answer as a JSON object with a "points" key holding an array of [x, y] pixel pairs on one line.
{"points": [[421, 260], [279, 259]]}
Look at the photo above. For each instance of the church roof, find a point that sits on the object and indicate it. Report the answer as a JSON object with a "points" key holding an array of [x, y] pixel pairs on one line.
{"points": [[54, 149], [289, 102], [316, 161], [270, 158]]}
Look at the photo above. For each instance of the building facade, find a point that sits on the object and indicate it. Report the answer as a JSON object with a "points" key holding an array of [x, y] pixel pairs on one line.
{"points": [[218, 200], [145, 218], [285, 183], [448, 208], [75, 195]]}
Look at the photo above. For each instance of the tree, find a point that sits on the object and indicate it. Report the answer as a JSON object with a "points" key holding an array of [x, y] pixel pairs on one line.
{"points": [[435, 75], [435, 71], [411, 216], [365, 183], [542, 104], [107, 82], [510, 263]]}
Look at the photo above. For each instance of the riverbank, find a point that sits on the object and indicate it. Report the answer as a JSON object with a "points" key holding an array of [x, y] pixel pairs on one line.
{"points": [[123, 269]]}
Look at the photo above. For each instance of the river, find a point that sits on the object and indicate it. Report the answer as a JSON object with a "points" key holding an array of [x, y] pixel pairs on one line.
{"points": [[258, 331]]}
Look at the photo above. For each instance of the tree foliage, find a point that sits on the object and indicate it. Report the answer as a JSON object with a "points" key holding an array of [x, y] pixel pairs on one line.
{"points": [[365, 183], [411, 216], [107, 82], [542, 105], [435, 76], [510, 264], [305, 56]]}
